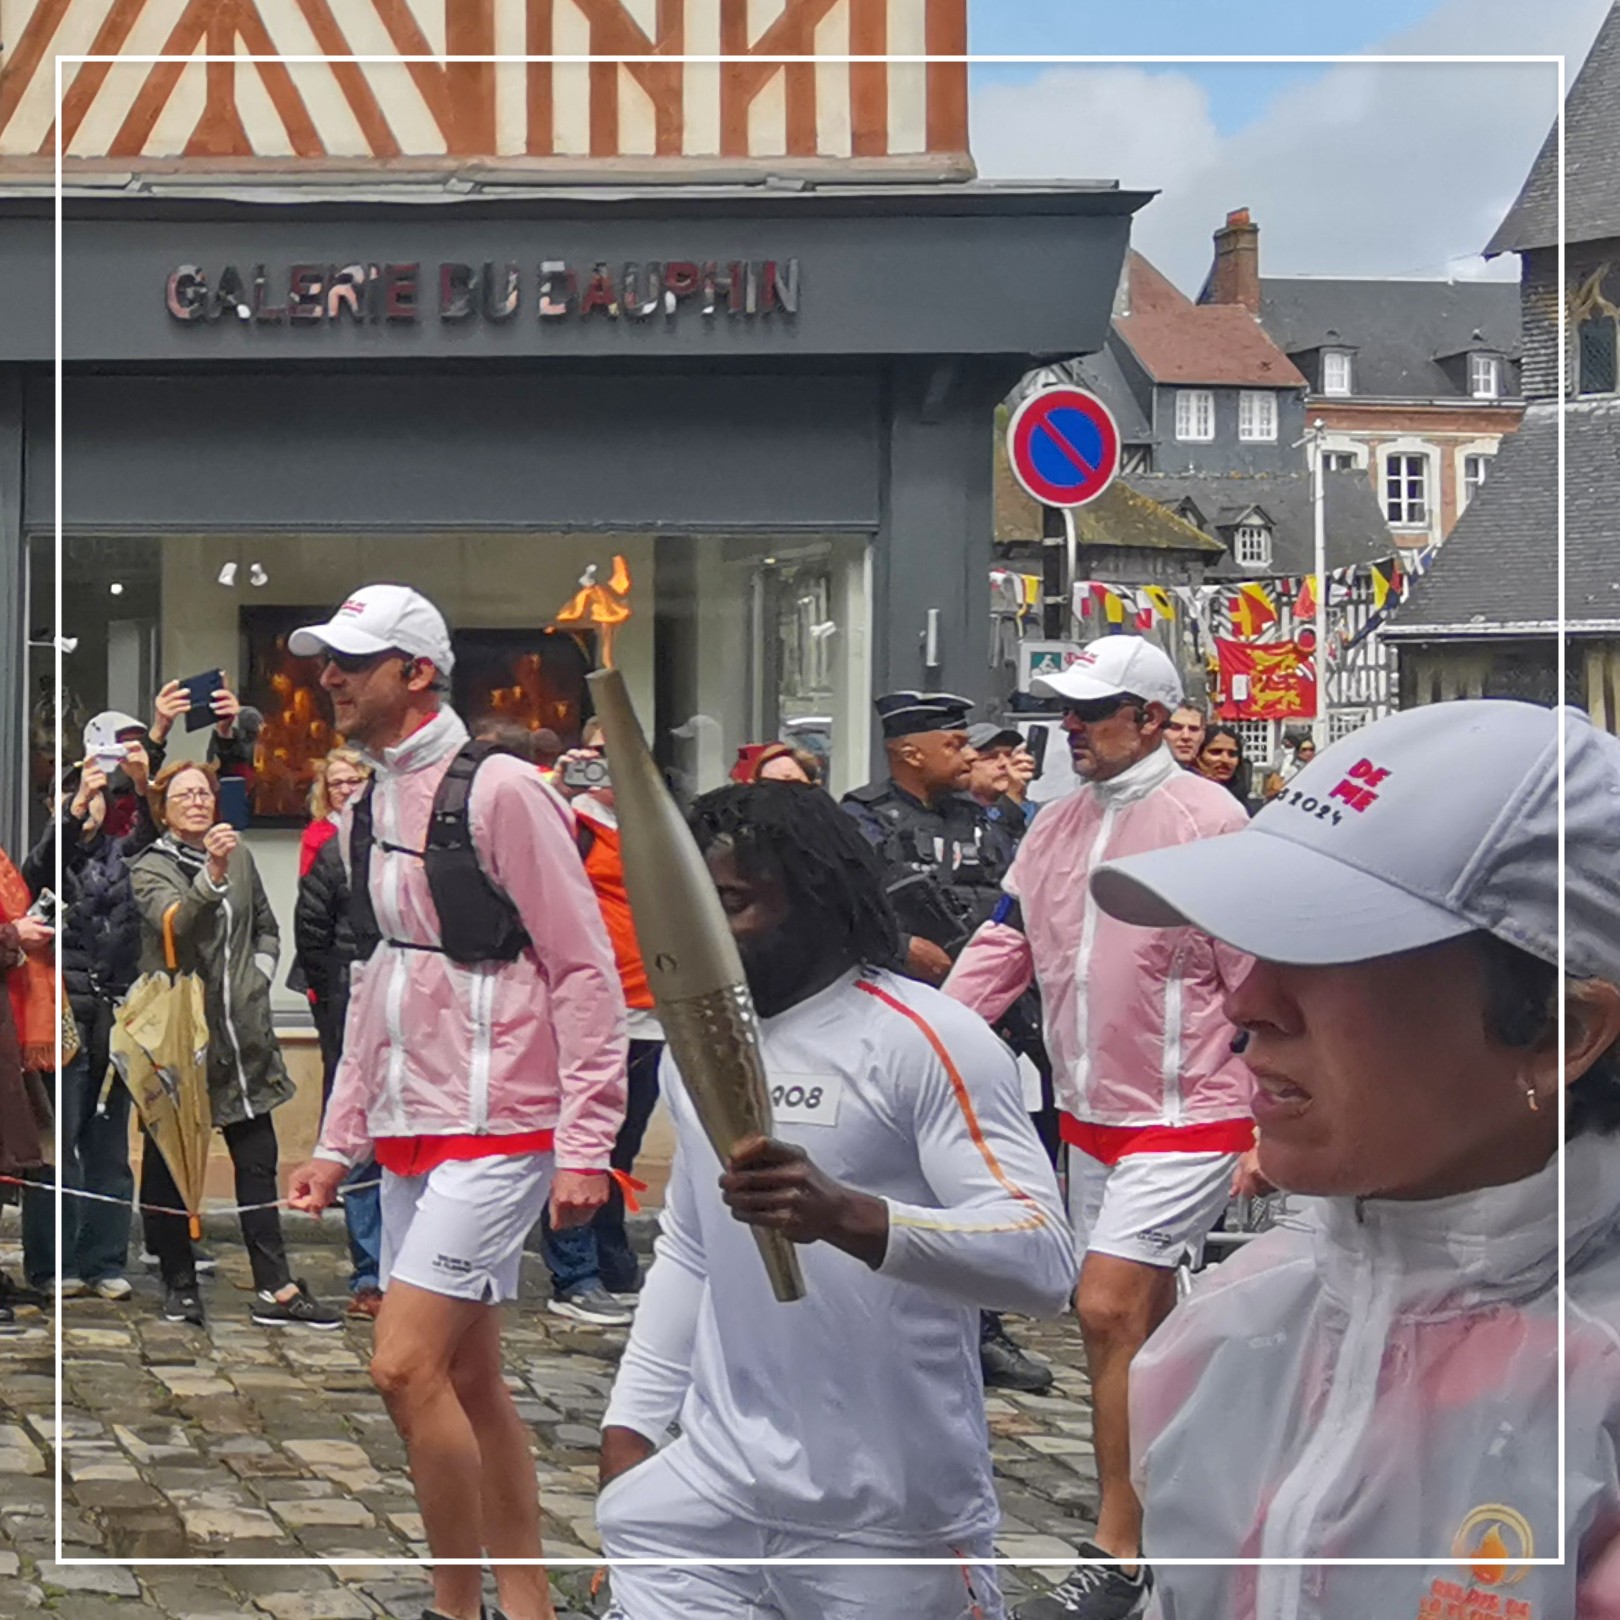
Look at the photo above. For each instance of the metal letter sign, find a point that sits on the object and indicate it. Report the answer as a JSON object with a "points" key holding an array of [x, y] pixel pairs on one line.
{"points": [[1064, 446]]}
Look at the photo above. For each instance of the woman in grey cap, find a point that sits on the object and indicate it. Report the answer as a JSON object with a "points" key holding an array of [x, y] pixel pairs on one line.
{"points": [[1386, 1384]]}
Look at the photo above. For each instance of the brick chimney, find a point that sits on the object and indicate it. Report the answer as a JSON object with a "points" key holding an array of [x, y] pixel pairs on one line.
{"points": [[1235, 278]]}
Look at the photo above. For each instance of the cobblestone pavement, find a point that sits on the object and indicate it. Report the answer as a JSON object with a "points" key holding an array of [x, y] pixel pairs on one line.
{"points": [[236, 1441]]}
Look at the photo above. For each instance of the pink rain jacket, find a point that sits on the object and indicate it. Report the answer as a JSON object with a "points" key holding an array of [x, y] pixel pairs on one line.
{"points": [[1132, 1015], [433, 1048]]}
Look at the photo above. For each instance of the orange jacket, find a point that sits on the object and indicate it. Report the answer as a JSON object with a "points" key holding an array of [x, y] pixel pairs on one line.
{"points": [[604, 866]]}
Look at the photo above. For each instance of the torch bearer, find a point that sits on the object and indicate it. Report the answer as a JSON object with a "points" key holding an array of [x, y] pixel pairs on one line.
{"points": [[691, 959]]}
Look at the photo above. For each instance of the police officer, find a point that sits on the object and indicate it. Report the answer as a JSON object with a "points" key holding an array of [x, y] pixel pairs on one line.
{"points": [[945, 864]]}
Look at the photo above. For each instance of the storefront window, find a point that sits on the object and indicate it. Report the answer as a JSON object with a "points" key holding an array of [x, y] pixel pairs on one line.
{"points": [[723, 639]]}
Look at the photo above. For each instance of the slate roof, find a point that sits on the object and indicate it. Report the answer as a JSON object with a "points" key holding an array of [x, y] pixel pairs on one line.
{"points": [[1499, 566], [1124, 516], [1591, 171], [1178, 341], [1356, 530], [1102, 374], [1398, 329]]}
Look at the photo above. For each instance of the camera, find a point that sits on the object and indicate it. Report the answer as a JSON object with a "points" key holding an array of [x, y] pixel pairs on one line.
{"points": [[45, 908], [586, 773]]}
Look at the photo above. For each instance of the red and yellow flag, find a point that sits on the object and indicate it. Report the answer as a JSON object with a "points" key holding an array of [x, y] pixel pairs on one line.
{"points": [[1252, 611]]}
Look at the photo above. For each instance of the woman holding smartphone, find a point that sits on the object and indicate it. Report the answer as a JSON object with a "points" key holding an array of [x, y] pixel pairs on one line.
{"points": [[199, 875]]}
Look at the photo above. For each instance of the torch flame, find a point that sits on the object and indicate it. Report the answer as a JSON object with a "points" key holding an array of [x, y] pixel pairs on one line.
{"points": [[606, 606]]}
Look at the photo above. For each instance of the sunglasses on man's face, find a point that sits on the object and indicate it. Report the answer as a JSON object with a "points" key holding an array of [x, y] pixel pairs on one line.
{"points": [[356, 663], [1090, 710]]}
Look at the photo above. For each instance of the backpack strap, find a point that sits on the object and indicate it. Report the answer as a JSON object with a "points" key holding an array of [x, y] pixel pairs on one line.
{"points": [[362, 914], [477, 922]]}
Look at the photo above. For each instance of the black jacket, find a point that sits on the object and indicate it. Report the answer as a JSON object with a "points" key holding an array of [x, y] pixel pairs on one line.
{"points": [[323, 931], [100, 927]]}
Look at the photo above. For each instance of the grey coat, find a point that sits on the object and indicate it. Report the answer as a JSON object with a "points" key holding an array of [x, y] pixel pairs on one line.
{"points": [[217, 936]]}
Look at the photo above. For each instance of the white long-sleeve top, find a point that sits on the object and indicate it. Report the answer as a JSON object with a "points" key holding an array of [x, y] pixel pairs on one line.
{"points": [[858, 1410]]}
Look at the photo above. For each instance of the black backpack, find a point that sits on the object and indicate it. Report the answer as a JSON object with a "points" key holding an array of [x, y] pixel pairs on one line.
{"points": [[477, 923]]}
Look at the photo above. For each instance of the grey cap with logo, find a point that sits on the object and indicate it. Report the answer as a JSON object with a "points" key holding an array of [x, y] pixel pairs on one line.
{"points": [[1430, 824]]}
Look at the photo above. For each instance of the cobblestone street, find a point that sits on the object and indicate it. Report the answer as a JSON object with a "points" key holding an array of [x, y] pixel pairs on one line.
{"points": [[239, 1442]]}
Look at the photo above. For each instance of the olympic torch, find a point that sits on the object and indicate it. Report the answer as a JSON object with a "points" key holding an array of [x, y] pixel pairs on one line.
{"points": [[691, 959]]}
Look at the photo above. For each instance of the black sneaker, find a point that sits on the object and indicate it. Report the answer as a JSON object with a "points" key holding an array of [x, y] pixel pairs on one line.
{"points": [[183, 1304], [302, 1310], [1092, 1592], [1006, 1366], [592, 1303]]}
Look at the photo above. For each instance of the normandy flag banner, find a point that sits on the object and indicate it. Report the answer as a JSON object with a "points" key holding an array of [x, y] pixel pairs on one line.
{"points": [[1273, 680]]}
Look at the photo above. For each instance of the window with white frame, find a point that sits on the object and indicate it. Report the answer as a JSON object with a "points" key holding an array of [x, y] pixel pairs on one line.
{"points": [[1257, 415], [1338, 461], [1252, 547], [1258, 745], [1195, 415], [1341, 722], [1475, 471], [1484, 376], [1337, 377], [1406, 490]]}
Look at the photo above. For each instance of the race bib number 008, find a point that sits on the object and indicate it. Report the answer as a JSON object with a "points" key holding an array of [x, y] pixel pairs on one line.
{"points": [[805, 1099]]}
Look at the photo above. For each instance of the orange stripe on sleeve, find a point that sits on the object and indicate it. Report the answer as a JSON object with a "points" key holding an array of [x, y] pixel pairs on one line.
{"points": [[960, 1091]]}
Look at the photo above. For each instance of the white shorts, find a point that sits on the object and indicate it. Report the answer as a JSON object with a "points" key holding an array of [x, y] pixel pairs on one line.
{"points": [[1154, 1208], [459, 1229], [650, 1512]]}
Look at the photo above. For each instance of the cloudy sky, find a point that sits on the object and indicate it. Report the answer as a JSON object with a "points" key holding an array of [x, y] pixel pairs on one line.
{"points": [[1353, 169]]}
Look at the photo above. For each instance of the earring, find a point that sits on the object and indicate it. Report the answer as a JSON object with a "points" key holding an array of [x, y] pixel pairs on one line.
{"points": [[1531, 1098]]}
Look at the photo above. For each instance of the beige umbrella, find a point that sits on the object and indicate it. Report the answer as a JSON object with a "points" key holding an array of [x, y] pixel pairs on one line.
{"points": [[159, 1047]]}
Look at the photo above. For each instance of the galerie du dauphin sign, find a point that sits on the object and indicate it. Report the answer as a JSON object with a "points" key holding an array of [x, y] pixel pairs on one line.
{"points": [[402, 293]]}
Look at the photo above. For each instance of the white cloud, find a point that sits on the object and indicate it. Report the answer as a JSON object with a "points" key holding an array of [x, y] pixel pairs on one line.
{"points": [[1404, 169]]}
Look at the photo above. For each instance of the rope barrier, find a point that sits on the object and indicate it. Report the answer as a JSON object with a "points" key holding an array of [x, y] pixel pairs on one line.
{"points": [[53, 1187]]}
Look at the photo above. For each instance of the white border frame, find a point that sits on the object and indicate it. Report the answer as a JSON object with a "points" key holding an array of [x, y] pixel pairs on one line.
{"points": [[969, 60]]}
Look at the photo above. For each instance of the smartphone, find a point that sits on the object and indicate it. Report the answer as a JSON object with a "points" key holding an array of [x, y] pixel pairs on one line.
{"points": [[233, 802], [109, 759], [200, 690], [1039, 736]]}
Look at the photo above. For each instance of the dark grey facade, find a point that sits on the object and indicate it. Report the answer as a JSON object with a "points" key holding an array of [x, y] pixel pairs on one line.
{"points": [[861, 409], [1487, 621]]}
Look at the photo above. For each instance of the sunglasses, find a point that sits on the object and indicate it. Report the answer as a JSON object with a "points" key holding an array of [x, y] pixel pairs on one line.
{"points": [[358, 663], [1090, 710]]}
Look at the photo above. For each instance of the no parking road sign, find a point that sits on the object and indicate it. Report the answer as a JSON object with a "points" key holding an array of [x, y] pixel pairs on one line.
{"points": [[1063, 444]]}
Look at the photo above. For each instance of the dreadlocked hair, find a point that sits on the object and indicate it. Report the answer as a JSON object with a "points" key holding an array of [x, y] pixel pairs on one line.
{"points": [[798, 836]]}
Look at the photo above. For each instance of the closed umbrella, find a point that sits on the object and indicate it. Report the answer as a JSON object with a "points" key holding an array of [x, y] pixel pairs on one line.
{"points": [[159, 1047]]}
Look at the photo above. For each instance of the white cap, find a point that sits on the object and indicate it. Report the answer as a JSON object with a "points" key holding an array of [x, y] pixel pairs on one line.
{"points": [[1427, 825], [101, 733], [1111, 665], [381, 618]]}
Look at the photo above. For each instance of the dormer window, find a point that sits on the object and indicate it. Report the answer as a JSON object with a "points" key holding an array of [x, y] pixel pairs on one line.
{"points": [[1337, 374], [1485, 376], [1252, 546]]}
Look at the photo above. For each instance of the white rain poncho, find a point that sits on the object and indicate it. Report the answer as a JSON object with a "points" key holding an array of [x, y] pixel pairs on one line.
{"points": [[1385, 1385]]}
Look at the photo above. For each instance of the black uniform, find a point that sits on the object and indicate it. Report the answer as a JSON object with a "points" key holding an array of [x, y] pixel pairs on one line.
{"points": [[944, 862]]}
